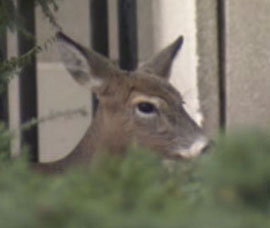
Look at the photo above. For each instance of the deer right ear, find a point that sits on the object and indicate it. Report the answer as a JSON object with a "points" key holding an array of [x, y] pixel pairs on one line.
{"points": [[161, 63], [87, 67]]}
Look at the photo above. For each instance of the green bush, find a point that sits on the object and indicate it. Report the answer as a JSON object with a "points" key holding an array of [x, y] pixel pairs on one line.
{"points": [[228, 187]]}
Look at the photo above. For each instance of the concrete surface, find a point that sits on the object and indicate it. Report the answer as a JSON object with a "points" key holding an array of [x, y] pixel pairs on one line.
{"points": [[208, 65], [58, 93], [248, 63]]}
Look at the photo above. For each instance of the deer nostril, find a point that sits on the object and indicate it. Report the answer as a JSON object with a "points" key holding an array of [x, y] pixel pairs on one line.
{"points": [[207, 147]]}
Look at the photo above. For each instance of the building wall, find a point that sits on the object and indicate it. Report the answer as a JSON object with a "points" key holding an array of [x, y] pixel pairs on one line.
{"points": [[248, 63], [208, 63], [195, 71]]}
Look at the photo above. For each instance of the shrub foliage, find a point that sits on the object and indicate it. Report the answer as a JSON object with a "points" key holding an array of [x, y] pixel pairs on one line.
{"points": [[228, 187]]}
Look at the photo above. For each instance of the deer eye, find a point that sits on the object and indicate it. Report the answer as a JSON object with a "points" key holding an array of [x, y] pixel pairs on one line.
{"points": [[146, 109]]}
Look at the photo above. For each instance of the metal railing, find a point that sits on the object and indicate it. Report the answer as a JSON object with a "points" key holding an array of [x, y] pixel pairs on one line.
{"points": [[28, 94]]}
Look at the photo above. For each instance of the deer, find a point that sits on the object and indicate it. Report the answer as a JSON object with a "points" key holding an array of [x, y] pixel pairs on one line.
{"points": [[139, 106]]}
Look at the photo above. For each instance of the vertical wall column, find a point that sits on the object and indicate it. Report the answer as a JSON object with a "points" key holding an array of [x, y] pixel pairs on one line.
{"points": [[221, 21], [234, 64], [28, 79], [247, 63], [99, 26], [3, 94], [127, 19], [209, 56], [99, 30]]}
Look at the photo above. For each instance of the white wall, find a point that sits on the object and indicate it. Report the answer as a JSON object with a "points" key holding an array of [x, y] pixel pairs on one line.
{"points": [[174, 18]]}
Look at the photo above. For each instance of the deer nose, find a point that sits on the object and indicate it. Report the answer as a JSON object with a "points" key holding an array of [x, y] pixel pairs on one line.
{"points": [[198, 147]]}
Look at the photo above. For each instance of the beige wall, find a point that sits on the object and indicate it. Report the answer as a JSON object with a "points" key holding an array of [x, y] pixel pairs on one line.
{"points": [[248, 63], [246, 33], [208, 63], [13, 100]]}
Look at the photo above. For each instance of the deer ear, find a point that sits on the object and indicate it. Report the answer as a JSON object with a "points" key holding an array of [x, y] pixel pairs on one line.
{"points": [[87, 67], [161, 63]]}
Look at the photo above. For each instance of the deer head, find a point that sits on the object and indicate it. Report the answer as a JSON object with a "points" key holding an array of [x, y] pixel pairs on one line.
{"points": [[140, 106]]}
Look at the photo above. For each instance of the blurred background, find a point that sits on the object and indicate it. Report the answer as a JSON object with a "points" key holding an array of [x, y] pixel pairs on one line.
{"points": [[222, 70]]}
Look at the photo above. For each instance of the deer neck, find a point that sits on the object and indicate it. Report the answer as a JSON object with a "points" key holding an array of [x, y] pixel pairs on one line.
{"points": [[104, 134]]}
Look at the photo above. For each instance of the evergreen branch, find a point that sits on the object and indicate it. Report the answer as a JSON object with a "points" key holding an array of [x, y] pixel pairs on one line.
{"points": [[45, 7], [9, 68], [33, 122], [55, 115]]}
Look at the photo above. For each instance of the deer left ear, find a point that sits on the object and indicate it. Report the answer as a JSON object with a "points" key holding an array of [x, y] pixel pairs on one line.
{"points": [[87, 67], [74, 57], [161, 63]]}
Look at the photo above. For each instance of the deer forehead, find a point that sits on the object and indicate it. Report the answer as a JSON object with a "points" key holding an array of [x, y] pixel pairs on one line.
{"points": [[155, 86], [134, 90], [134, 87]]}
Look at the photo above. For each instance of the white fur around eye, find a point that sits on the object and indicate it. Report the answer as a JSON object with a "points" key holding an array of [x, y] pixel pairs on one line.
{"points": [[145, 99]]}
